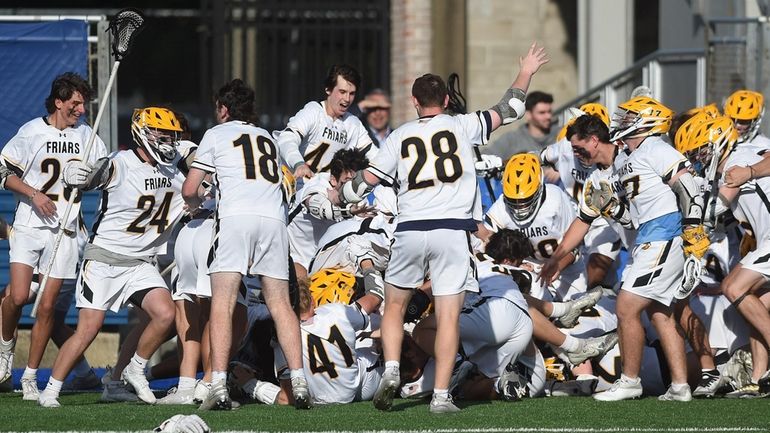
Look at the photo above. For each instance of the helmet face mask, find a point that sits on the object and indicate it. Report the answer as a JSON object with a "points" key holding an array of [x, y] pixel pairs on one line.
{"points": [[523, 187], [746, 109], [640, 117], [714, 138], [157, 131]]}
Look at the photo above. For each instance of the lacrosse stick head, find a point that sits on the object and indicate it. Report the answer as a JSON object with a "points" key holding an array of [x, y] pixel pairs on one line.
{"points": [[123, 29], [693, 271]]}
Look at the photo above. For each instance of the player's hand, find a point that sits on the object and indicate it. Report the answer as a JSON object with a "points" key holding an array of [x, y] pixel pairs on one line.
{"points": [[183, 424], [488, 165], [42, 204], [363, 210], [549, 272], [736, 176], [535, 58], [303, 171], [75, 174]]}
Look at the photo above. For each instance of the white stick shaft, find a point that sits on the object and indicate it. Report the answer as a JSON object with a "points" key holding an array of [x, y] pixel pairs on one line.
{"points": [[68, 209]]}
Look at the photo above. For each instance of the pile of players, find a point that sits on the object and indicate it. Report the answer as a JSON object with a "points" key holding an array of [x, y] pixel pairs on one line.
{"points": [[300, 235]]}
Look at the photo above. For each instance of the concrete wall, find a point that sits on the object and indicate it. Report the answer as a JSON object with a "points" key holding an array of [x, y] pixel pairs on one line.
{"points": [[411, 42]]}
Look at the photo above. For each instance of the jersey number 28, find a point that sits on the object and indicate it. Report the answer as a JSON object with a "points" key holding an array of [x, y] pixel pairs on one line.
{"points": [[448, 166]]}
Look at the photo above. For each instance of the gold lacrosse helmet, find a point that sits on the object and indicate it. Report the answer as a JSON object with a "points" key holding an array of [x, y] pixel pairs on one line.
{"points": [[523, 186], [714, 138], [332, 285], [157, 130], [682, 140], [640, 117], [746, 106], [597, 110]]}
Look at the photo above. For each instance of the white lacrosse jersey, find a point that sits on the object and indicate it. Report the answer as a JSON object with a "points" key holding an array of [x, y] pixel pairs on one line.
{"points": [[752, 204], [546, 229], [140, 205], [321, 136], [572, 173], [496, 281], [644, 176], [37, 154], [431, 159], [347, 243], [246, 170], [760, 141], [328, 351]]}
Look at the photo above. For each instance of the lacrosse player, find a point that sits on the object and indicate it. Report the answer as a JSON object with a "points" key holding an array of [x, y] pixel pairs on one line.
{"points": [[320, 129], [432, 160], [140, 204], [746, 109], [32, 163], [642, 182], [249, 234]]}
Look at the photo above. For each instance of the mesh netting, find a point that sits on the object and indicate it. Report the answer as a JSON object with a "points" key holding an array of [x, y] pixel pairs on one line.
{"points": [[124, 28]]}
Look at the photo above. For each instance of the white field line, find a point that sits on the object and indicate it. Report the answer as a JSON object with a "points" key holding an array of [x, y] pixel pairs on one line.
{"points": [[500, 430]]}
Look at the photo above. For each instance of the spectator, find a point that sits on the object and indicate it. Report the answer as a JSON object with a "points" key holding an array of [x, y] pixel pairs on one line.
{"points": [[534, 135], [375, 114]]}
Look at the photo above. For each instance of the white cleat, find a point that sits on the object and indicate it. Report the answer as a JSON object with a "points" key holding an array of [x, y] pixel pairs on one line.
{"points": [[218, 398], [300, 392], [383, 397], [623, 389], [201, 391], [140, 384], [177, 396], [682, 394], [441, 404], [6, 360], [29, 389], [117, 391], [47, 400]]}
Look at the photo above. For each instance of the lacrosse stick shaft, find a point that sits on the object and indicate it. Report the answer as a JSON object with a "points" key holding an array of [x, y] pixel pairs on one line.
{"points": [[167, 270], [487, 182], [70, 202]]}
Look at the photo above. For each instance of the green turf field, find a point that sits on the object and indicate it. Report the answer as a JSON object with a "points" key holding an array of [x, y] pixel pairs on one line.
{"points": [[82, 412]]}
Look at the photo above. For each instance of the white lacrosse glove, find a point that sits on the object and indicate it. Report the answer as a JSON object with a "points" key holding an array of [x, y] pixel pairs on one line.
{"points": [[183, 424], [75, 174], [488, 164], [693, 271]]}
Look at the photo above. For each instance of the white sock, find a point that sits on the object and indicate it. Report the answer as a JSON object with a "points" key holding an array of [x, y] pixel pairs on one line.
{"points": [[570, 344], [30, 373], [216, 376], [82, 368], [441, 392], [7, 345], [678, 386], [559, 309], [263, 392], [392, 364], [53, 387], [634, 380], [138, 363], [296, 373], [186, 383]]}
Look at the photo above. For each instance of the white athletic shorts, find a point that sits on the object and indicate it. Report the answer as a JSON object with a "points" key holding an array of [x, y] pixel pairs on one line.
{"points": [[32, 246], [369, 373], [304, 233], [759, 260], [493, 333], [602, 239], [107, 287], [443, 253], [656, 271], [191, 252], [727, 329], [251, 245]]}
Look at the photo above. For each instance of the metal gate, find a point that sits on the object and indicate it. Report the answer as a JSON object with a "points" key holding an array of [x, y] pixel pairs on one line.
{"points": [[284, 48]]}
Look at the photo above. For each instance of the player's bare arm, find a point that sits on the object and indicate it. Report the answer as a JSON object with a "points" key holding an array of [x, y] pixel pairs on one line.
{"points": [[572, 238], [191, 187], [40, 202], [736, 176]]}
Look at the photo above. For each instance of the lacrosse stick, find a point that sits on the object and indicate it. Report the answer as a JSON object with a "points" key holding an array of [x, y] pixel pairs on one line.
{"points": [[123, 29], [693, 266], [457, 105]]}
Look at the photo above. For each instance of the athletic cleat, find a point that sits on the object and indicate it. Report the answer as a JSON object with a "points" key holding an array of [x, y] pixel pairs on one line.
{"points": [[301, 393], [116, 391], [138, 380], [29, 389], [577, 306], [709, 384], [592, 347], [750, 390], [764, 383], [7, 385], [175, 396], [511, 386], [383, 397], [441, 404], [672, 395], [201, 391], [79, 383], [737, 370], [46, 400], [623, 389], [6, 360], [217, 398]]}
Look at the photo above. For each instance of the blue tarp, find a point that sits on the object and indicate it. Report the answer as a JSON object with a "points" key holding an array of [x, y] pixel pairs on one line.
{"points": [[33, 54]]}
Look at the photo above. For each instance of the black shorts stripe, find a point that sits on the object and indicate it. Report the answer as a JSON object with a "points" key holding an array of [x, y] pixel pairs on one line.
{"points": [[214, 244]]}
